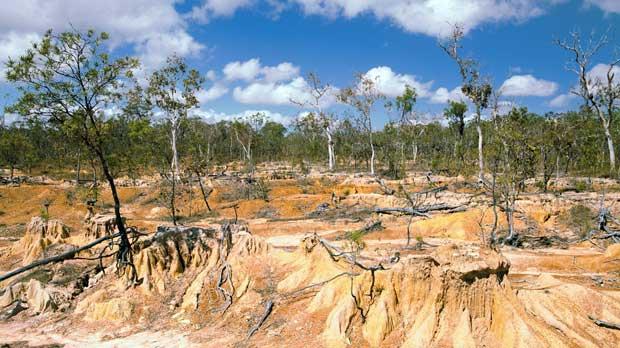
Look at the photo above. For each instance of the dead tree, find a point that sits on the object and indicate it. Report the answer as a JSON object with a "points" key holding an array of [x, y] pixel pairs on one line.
{"points": [[600, 94]]}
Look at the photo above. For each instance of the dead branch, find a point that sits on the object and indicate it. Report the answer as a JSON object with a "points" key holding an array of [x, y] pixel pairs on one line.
{"points": [[420, 211], [58, 258], [384, 187], [268, 309], [605, 324]]}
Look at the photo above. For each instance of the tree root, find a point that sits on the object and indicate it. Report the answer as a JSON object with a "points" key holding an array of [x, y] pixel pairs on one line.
{"points": [[605, 324], [268, 309]]}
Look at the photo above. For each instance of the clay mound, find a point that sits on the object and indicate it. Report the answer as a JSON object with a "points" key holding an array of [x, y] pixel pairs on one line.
{"points": [[456, 297], [567, 308], [40, 298], [40, 234], [99, 225], [188, 268]]}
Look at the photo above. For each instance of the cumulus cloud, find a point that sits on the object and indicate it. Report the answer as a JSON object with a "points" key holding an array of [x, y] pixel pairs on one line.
{"points": [[431, 17], [153, 27], [442, 95], [599, 73], [213, 116], [273, 93], [612, 6], [217, 8], [252, 69], [216, 91], [562, 100], [528, 85], [392, 84]]}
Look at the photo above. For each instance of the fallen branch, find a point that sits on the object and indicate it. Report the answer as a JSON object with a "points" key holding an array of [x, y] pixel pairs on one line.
{"points": [[58, 258], [420, 211], [268, 310], [605, 324]]}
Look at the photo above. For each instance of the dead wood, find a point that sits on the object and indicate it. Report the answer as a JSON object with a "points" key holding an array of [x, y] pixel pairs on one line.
{"points": [[57, 258], [605, 324], [420, 211], [268, 309]]}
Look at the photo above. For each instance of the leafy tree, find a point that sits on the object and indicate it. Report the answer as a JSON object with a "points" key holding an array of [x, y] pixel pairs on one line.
{"points": [[477, 89], [362, 96], [69, 81], [173, 89]]}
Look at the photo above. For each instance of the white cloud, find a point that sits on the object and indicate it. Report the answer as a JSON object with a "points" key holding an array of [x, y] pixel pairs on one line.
{"points": [[246, 71], [154, 27], [281, 72], [606, 5], [13, 45], [216, 91], [599, 74], [252, 69], [392, 84], [431, 17], [217, 8], [528, 85], [273, 93], [562, 100], [213, 116], [442, 95]]}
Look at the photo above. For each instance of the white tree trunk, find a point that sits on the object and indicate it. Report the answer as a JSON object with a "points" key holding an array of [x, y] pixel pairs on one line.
{"points": [[330, 149], [372, 158], [610, 147]]}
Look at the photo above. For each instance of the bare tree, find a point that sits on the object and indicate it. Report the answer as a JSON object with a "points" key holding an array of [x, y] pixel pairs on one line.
{"points": [[362, 96], [477, 89], [318, 92], [600, 94]]}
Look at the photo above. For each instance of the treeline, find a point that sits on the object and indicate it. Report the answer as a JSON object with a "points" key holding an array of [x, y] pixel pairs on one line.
{"points": [[562, 144]]}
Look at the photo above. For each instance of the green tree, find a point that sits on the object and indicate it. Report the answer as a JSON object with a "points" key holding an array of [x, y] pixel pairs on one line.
{"points": [[173, 90], [69, 81]]}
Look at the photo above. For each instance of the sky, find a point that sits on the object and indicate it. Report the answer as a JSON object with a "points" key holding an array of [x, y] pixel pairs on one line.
{"points": [[256, 54]]}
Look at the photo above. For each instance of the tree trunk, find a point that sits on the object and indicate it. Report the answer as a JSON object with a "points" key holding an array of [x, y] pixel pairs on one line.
{"points": [[372, 158], [480, 155], [205, 196], [173, 207], [79, 166], [120, 225], [610, 148], [12, 171], [330, 150]]}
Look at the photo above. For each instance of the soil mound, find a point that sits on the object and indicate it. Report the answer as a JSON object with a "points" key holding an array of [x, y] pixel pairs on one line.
{"points": [[40, 235]]}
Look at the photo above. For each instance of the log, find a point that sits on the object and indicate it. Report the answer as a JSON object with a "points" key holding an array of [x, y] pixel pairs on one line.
{"points": [[605, 324], [420, 211], [57, 258]]}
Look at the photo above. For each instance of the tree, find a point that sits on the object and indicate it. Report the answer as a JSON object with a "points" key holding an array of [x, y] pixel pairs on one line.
{"points": [[173, 89], [474, 86], [514, 157], [455, 114], [70, 82], [404, 105], [245, 129], [600, 94], [362, 96], [318, 92]]}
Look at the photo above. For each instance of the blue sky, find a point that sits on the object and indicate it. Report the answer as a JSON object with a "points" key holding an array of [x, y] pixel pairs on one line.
{"points": [[276, 43]]}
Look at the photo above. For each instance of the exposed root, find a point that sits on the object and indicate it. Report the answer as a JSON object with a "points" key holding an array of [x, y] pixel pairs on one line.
{"points": [[268, 309], [605, 324]]}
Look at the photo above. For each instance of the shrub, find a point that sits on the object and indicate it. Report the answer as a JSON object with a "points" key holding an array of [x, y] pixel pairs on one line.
{"points": [[579, 218]]}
